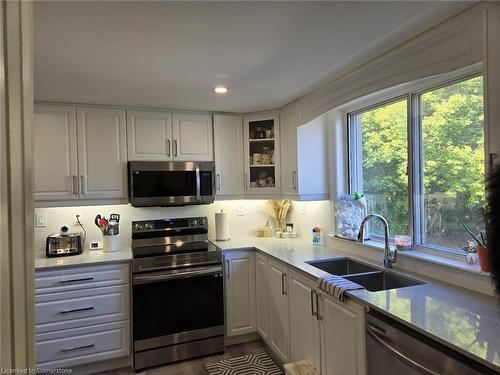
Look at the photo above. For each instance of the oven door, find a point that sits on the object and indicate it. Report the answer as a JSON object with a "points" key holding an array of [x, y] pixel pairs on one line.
{"points": [[177, 306]]}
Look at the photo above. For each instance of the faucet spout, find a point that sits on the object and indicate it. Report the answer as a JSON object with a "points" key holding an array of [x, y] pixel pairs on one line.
{"points": [[390, 257]]}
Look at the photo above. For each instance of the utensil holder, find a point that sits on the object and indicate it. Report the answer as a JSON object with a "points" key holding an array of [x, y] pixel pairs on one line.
{"points": [[110, 243]]}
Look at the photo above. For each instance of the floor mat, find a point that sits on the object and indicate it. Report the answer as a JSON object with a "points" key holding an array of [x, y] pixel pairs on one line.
{"points": [[257, 363]]}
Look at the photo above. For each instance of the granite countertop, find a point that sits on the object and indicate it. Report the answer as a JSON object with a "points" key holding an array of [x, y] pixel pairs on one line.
{"points": [[85, 258], [463, 320]]}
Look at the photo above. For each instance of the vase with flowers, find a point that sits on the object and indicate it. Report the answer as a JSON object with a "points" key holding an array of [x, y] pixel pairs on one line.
{"points": [[278, 210]]}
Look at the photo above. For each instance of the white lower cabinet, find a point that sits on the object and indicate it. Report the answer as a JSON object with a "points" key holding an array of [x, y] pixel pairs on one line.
{"points": [[240, 293], [342, 337], [279, 310], [82, 315], [262, 296], [304, 321]]}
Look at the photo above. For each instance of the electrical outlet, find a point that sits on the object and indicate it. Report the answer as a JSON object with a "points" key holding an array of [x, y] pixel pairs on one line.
{"points": [[239, 209], [75, 215], [303, 208], [40, 220]]}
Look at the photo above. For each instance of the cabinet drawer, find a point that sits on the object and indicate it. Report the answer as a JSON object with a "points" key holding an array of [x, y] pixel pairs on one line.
{"points": [[78, 346], [80, 308], [74, 278]]}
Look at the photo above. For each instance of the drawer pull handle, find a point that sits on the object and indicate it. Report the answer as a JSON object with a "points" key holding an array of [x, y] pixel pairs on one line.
{"points": [[76, 280], [77, 348], [77, 310]]}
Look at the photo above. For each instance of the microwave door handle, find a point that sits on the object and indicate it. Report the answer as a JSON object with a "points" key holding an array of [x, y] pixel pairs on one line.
{"points": [[198, 193]]}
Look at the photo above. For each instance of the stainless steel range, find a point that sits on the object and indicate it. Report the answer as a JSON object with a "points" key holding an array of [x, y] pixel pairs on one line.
{"points": [[178, 301]]}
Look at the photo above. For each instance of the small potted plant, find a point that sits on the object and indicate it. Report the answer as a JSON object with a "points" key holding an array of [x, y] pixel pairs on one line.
{"points": [[482, 249]]}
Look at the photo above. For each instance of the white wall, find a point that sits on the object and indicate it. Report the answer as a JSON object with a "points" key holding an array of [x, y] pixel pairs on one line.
{"points": [[304, 215]]}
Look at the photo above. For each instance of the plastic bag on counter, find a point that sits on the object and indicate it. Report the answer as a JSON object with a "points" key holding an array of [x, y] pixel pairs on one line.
{"points": [[349, 213]]}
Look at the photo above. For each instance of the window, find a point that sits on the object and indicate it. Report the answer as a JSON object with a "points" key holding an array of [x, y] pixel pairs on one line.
{"points": [[441, 132], [382, 159]]}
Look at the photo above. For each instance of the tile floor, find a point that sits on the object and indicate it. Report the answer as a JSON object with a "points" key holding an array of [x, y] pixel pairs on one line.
{"points": [[195, 366]]}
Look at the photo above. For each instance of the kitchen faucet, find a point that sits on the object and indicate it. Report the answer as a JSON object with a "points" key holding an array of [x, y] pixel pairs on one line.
{"points": [[389, 256]]}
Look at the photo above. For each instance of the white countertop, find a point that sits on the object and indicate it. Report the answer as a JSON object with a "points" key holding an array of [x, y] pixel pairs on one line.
{"points": [[87, 257], [464, 320]]}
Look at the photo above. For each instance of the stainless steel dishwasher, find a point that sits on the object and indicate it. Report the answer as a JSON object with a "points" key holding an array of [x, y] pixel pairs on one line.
{"points": [[392, 348]]}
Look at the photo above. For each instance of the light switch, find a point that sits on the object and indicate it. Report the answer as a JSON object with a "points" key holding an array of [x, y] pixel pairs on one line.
{"points": [[40, 220]]}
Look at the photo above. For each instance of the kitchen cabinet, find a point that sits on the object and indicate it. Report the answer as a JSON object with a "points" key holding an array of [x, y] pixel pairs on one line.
{"points": [[304, 321], [240, 293], [149, 135], [342, 337], [80, 153], [262, 296], [102, 155], [55, 152], [192, 137], [82, 315], [228, 142], [304, 170], [262, 153], [279, 310]]}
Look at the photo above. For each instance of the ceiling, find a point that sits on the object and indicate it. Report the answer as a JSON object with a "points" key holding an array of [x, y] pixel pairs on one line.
{"points": [[172, 54]]}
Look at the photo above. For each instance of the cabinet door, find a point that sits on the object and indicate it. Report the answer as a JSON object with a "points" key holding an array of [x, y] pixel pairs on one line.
{"points": [[262, 153], [289, 122], [192, 137], [342, 337], [149, 135], [228, 141], [102, 155], [279, 310], [304, 324], [240, 293], [262, 291], [55, 153]]}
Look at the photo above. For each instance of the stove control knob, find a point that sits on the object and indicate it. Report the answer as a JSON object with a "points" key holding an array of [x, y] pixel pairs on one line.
{"points": [[193, 223], [138, 226], [202, 222], [148, 226]]}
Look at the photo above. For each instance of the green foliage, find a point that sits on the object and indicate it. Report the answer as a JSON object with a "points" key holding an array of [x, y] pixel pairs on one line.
{"points": [[453, 161]]}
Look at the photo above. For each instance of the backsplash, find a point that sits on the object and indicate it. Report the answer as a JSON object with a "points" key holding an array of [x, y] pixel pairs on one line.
{"points": [[304, 216]]}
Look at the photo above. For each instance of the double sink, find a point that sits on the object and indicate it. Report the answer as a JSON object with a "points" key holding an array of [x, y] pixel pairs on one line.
{"points": [[371, 278]]}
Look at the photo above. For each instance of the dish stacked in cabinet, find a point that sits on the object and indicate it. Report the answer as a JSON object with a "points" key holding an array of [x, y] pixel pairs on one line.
{"points": [[82, 315]]}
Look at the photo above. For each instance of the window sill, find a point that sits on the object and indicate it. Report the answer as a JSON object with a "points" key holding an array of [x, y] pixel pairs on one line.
{"points": [[442, 259]]}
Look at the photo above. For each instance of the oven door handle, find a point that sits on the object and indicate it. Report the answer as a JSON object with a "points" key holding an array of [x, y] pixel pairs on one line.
{"points": [[166, 276]]}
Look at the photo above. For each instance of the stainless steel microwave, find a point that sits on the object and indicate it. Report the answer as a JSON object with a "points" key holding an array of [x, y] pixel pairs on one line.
{"points": [[170, 183]]}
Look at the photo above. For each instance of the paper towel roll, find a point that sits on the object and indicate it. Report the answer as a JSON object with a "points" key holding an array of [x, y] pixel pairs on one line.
{"points": [[221, 226]]}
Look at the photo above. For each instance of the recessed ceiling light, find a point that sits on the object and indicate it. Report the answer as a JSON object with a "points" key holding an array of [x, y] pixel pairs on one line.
{"points": [[220, 90]]}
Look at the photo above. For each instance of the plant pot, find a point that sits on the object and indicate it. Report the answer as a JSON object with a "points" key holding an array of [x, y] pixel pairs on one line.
{"points": [[484, 258]]}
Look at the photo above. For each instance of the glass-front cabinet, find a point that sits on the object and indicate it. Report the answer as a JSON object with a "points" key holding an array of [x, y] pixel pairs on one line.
{"points": [[262, 156]]}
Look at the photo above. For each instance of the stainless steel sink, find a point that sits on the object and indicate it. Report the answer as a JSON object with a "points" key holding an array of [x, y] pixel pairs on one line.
{"points": [[382, 280], [342, 266]]}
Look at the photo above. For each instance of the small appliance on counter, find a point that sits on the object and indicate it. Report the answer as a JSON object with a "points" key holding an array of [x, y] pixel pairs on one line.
{"points": [[63, 244]]}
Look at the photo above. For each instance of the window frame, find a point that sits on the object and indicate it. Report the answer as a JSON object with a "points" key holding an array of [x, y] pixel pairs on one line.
{"points": [[416, 206]]}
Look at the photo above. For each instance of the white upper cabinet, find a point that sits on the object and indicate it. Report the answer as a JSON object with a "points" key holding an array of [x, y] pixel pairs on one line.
{"points": [[304, 170], [262, 153], [55, 152], [304, 321], [240, 293], [342, 337], [102, 155], [192, 137], [228, 142], [149, 135], [289, 121]]}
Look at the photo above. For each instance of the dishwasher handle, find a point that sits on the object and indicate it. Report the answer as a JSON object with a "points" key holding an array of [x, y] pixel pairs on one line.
{"points": [[372, 331]]}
